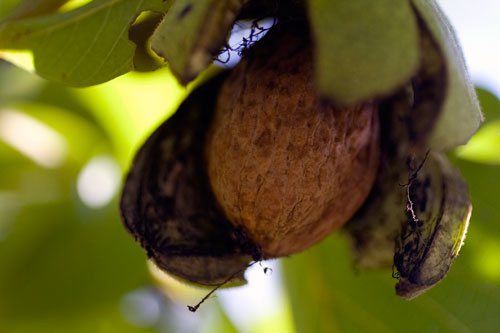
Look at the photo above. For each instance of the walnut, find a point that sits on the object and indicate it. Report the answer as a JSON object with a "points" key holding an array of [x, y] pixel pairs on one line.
{"points": [[255, 164], [284, 165]]}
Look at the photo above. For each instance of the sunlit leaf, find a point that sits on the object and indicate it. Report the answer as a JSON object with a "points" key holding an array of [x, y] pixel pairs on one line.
{"points": [[82, 47], [364, 48], [218, 322], [72, 4], [83, 138], [484, 146], [131, 106]]}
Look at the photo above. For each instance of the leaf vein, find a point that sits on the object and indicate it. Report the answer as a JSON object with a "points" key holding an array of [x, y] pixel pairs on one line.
{"points": [[93, 43], [120, 36]]}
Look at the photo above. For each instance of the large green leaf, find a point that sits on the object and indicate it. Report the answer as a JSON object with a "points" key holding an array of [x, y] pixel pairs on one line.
{"points": [[192, 33], [82, 47], [364, 48], [460, 115], [328, 295]]}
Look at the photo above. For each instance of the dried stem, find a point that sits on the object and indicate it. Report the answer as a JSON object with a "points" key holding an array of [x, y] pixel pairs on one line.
{"points": [[229, 278], [411, 179]]}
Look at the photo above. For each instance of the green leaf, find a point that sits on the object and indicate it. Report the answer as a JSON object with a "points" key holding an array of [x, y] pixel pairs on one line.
{"points": [[6, 6], [328, 295], [32, 8], [71, 126], [130, 107], [145, 60], [218, 322], [82, 47], [192, 33], [484, 146], [61, 262], [490, 104], [460, 115], [364, 48]]}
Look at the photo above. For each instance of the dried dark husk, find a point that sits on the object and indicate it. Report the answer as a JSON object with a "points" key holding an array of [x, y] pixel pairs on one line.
{"points": [[167, 204], [416, 217]]}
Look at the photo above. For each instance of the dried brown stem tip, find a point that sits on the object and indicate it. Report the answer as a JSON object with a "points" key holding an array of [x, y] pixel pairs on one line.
{"points": [[284, 165]]}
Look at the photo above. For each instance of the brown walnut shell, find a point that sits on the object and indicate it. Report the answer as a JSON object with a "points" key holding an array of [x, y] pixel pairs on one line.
{"points": [[284, 165]]}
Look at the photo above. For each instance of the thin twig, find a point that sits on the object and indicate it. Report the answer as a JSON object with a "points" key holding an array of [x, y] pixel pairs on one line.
{"points": [[194, 308], [411, 179], [255, 33]]}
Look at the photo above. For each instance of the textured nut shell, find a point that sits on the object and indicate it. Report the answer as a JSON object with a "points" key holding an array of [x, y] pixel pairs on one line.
{"points": [[286, 166]]}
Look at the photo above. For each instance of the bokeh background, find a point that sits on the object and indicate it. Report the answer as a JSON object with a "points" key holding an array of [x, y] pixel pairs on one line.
{"points": [[67, 264]]}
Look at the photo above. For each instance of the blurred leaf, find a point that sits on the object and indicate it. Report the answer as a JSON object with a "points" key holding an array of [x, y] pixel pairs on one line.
{"points": [[18, 84], [192, 33], [218, 322], [484, 146], [131, 106], [364, 48], [62, 97], [6, 6], [29, 184], [61, 263], [490, 104], [280, 323], [72, 4], [329, 296], [82, 47], [145, 59], [84, 139], [484, 182], [461, 115], [32, 8], [9, 156], [102, 318]]}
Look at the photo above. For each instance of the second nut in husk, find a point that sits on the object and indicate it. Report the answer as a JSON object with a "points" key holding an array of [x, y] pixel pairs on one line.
{"points": [[283, 164]]}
